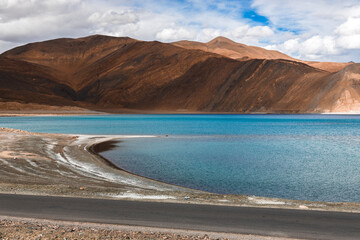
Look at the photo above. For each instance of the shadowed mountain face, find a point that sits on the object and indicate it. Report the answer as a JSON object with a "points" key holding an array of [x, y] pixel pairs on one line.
{"points": [[21, 81], [110, 74]]}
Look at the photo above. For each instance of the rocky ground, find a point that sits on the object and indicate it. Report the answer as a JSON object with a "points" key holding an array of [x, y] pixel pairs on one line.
{"points": [[16, 229], [30, 230]]}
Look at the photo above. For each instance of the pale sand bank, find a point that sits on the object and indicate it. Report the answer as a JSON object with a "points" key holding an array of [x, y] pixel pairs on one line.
{"points": [[33, 113], [63, 165], [341, 113]]}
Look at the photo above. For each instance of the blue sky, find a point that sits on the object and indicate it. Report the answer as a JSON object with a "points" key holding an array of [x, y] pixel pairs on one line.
{"points": [[325, 30]]}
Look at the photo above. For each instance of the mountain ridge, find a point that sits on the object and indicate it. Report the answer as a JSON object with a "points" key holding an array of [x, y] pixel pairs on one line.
{"points": [[226, 47], [234, 50], [112, 74]]}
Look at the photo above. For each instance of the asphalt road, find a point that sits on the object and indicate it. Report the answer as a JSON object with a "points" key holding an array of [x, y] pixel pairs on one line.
{"points": [[245, 220]]}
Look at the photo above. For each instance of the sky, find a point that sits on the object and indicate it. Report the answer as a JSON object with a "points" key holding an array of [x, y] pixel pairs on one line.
{"points": [[321, 30]]}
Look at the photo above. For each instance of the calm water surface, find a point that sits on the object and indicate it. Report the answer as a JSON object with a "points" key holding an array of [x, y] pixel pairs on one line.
{"points": [[306, 157]]}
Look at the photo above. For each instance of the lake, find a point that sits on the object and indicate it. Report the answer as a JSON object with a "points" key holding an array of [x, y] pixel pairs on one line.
{"points": [[305, 157]]}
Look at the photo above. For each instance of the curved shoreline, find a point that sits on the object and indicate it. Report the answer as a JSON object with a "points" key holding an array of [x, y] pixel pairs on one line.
{"points": [[64, 165], [257, 201], [91, 148]]}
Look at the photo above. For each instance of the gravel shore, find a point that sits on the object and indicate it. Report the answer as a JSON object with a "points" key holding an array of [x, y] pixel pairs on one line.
{"points": [[16, 228]]}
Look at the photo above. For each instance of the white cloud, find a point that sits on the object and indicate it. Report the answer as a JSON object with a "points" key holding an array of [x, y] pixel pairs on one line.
{"points": [[113, 22], [292, 45], [307, 16], [23, 21], [349, 42], [6, 45], [349, 34], [350, 27], [111, 18], [318, 45], [171, 34], [243, 33], [309, 48], [260, 31], [17, 9], [208, 33], [247, 31], [28, 20], [319, 30]]}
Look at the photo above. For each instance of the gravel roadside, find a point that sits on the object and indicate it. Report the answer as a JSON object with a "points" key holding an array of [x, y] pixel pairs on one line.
{"points": [[12, 228]]}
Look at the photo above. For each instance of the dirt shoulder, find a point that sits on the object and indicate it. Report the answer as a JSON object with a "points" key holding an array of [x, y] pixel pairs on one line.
{"points": [[27, 228]]}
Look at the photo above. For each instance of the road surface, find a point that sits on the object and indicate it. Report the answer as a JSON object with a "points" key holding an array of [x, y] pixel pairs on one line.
{"points": [[245, 220]]}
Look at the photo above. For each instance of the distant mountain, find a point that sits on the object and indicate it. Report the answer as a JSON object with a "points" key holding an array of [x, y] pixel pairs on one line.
{"points": [[117, 74], [234, 50]]}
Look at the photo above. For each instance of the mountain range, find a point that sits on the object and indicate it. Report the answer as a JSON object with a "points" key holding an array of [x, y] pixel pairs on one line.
{"points": [[116, 74]]}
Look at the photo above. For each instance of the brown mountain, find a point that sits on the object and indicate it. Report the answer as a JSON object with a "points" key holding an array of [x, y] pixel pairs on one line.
{"points": [[234, 50], [25, 82], [111, 74]]}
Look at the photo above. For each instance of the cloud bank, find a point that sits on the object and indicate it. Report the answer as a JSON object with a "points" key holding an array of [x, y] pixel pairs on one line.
{"points": [[312, 30]]}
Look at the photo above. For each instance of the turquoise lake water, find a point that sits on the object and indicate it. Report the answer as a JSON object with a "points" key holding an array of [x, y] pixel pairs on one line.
{"points": [[305, 157]]}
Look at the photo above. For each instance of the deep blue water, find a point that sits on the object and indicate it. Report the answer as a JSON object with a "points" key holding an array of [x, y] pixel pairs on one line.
{"points": [[306, 157]]}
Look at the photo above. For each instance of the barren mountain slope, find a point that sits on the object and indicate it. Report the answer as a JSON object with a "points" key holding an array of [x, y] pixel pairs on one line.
{"points": [[107, 73], [342, 91], [25, 82], [231, 49], [248, 86], [67, 56]]}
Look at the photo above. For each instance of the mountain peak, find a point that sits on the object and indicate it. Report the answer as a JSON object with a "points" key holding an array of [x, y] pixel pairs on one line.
{"points": [[220, 39]]}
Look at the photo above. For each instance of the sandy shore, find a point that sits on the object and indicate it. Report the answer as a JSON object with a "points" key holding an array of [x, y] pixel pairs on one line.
{"points": [[64, 165], [56, 112]]}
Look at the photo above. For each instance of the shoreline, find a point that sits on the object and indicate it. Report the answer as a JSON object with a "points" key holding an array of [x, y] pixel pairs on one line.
{"points": [[66, 165], [34, 113], [276, 202], [107, 144]]}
